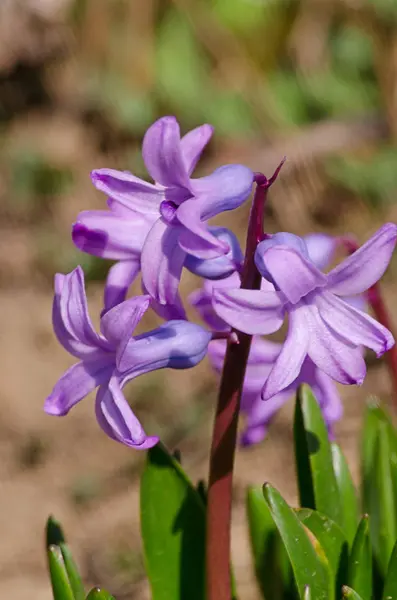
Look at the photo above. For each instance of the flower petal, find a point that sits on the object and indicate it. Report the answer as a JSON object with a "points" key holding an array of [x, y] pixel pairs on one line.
{"points": [[293, 353], [225, 189], [123, 318], [353, 325], [120, 277], [175, 344], [76, 383], [321, 248], [162, 153], [250, 311], [117, 420], [359, 271], [339, 359], [162, 262], [197, 238], [192, 145], [280, 262], [128, 190], [328, 397], [222, 266]]}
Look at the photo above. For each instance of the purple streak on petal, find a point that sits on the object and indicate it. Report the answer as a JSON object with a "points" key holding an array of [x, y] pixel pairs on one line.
{"points": [[192, 145], [123, 318], [222, 266], [291, 272], [117, 420], [120, 277], [170, 312], [162, 262], [293, 353], [339, 359], [250, 311], [162, 153], [321, 248], [359, 271], [168, 212], [76, 383], [176, 345], [132, 192], [104, 234], [225, 189], [197, 238], [353, 325]]}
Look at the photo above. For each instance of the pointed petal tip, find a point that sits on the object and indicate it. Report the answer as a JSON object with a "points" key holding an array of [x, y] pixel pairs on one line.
{"points": [[53, 406]]}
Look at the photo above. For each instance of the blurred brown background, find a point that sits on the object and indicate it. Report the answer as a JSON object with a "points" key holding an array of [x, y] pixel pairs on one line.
{"points": [[80, 81]]}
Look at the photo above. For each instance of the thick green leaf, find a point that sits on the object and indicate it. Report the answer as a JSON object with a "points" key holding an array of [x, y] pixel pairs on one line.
{"points": [[390, 589], [55, 537], [99, 594], [54, 533], [61, 587], [317, 482], [173, 529], [360, 561], [373, 416], [350, 594], [308, 560], [331, 538], [347, 493], [272, 566]]}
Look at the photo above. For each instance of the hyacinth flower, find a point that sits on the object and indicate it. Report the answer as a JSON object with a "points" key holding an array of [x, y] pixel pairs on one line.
{"points": [[322, 326], [110, 359], [159, 224]]}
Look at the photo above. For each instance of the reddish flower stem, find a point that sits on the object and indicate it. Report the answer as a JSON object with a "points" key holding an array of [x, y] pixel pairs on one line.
{"points": [[219, 503]]}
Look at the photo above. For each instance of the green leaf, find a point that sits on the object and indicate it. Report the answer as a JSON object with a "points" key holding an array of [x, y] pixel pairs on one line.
{"points": [[54, 533], [317, 482], [331, 539], [390, 589], [99, 594], [347, 493], [272, 566], [350, 594], [360, 561], [307, 558], [61, 587], [173, 529]]}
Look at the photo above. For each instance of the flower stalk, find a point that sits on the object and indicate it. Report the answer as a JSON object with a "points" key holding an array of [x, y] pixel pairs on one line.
{"points": [[219, 504]]}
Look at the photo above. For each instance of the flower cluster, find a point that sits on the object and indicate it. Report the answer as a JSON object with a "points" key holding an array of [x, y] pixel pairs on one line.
{"points": [[157, 229]]}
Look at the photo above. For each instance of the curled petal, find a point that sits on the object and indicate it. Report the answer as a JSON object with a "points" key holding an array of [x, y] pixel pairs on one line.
{"points": [[282, 261], [202, 301], [76, 383], [353, 325], [225, 189], [192, 145], [162, 262], [339, 359], [170, 312], [293, 353], [105, 234], [175, 345], [162, 153], [251, 311], [128, 190], [120, 276], [321, 248], [222, 266], [121, 320], [197, 238], [359, 271], [117, 420]]}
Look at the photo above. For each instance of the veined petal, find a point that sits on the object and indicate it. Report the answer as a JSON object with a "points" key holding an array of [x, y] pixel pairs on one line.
{"points": [[162, 262], [196, 238], [120, 277], [123, 318], [321, 248], [170, 312], [175, 344], [105, 234], [353, 325], [250, 311], [117, 420], [359, 271], [192, 145], [76, 383], [339, 359], [225, 189], [162, 153], [281, 262], [134, 193], [288, 365], [222, 266]]}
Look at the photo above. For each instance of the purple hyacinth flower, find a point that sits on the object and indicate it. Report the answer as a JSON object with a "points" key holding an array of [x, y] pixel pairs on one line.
{"points": [[322, 325], [112, 358], [176, 206]]}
